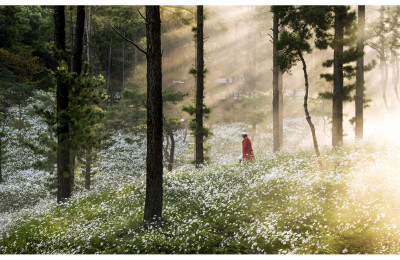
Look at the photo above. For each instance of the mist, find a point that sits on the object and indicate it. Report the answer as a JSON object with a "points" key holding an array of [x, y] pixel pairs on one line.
{"points": [[238, 58]]}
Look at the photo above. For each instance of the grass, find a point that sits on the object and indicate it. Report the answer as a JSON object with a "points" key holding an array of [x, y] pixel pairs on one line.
{"points": [[278, 204]]}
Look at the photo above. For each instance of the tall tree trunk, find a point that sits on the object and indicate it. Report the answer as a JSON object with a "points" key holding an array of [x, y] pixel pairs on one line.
{"points": [[396, 76], [71, 30], [79, 31], [89, 59], [337, 106], [308, 117], [109, 91], [385, 80], [88, 37], [136, 50], [1, 158], [123, 62], [77, 67], [384, 70], [63, 150], [154, 158], [280, 107], [200, 87], [276, 89], [360, 75], [171, 151], [72, 154], [88, 167]]}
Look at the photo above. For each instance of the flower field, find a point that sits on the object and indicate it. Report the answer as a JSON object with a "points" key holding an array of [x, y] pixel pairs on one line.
{"points": [[279, 204]]}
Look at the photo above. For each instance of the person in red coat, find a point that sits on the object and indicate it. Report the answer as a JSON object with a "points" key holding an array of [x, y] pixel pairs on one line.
{"points": [[247, 150]]}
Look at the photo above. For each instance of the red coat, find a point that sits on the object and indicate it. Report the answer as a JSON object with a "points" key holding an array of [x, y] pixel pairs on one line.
{"points": [[247, 150]]}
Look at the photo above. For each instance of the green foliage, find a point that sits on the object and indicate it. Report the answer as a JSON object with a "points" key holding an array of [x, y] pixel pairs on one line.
{"points": [[173, 97], [191, 110], [83, 116], [129, 114], [302, 22]]}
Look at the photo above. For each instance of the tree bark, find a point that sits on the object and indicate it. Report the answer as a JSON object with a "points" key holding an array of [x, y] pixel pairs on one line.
{"points": [[171, 151], [337, 104], [396, 76], [276, 117], [88, 38], [1, 159], [199, 135], [79, 31], [71, 29], [88, 167], [360, 75], [384, 69], [109, 74], [308, 117], [63, 149], [154, 158], [123, 62]]}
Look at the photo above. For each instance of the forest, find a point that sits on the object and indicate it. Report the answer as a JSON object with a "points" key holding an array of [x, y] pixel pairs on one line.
{"points": [[125, 129]]}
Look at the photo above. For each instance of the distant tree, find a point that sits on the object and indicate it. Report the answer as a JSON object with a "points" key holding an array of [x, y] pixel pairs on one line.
{"points": [[25, 69], [200, 110], [359, 118], [7, 83], [377, 39], [301, 24], [154, 157], [277, 89], [345, 53], [171, 124], [393, 21]]}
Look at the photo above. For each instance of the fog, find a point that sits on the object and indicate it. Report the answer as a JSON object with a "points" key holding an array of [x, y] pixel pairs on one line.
{"points": [[238, 58]]}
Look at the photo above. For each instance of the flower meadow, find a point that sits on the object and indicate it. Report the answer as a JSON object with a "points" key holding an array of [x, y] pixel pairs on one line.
{"points": [[279, 204]]}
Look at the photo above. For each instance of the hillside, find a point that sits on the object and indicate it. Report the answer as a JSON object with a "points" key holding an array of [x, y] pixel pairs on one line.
{"points": [[279, 204]]}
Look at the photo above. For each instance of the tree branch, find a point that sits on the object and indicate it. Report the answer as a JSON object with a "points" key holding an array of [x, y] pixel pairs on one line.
{"points": [[142, 15], [123, 37]]}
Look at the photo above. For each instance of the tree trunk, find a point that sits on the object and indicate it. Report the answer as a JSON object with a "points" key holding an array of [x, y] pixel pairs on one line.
{"points": [[385, 79], [360, 75], [1, 159], [77, 67], [308, 117], [396, 76], [136, 51], [109, 74], [383, 56], [71, 30], [63, 150], [171, 151], [72, 154], [88, 38], [154, 158], [79, 31], [200, 87], [337, 104], [88, 167], [123, 62], [276, 90]]}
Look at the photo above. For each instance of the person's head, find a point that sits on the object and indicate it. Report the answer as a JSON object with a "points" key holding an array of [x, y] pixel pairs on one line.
{"points": [[244, 134]]}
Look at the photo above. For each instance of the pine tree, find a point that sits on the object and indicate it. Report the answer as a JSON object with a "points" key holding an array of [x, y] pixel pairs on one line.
{"points": [[359, 99], [301, 23], [63, 147], [154, 167], [344, 36]]}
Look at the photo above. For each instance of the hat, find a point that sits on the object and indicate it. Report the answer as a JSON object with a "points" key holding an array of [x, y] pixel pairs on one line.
{"points": [[244, 134]]}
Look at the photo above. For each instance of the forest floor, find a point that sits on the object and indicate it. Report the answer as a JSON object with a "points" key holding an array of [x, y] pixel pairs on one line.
{"points": [[279, 204]]}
